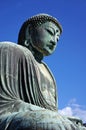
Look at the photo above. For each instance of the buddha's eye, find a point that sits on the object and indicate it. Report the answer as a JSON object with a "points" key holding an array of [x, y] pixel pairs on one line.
{"points": [[50, 31]]}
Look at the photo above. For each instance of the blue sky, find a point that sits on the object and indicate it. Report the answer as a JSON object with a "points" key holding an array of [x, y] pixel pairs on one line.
{"points": [[68, 62]]}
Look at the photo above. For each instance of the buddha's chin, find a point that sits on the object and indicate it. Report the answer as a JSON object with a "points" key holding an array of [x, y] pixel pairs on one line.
{"points": [[48, 52]]}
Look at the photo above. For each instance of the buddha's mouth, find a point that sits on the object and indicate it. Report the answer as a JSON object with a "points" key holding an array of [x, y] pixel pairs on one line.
{"points": [[51, 47]]}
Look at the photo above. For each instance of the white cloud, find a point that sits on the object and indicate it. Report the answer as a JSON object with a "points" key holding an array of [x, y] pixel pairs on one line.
{"points": [[66, 111], [74, 109]]}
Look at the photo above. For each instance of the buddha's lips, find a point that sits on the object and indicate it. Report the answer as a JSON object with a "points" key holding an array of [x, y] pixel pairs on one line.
{"points": [[51, 46]]}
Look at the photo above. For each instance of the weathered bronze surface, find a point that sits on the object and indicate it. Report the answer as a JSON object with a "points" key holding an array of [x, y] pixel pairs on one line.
{"points": [[28, 96]]}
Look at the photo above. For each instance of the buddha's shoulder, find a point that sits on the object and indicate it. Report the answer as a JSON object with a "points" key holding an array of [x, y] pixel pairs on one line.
{"points": [[14, 48]]}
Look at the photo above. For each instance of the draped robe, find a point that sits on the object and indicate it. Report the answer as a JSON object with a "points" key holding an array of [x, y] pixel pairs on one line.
{"points": [[26, 95], [22, 79]]}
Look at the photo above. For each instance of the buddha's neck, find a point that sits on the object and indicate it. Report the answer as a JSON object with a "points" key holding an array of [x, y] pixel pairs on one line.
{"points": [[37, 55]]}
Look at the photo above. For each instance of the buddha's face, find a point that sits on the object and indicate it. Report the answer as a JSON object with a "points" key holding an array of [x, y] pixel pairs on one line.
{"points": [[45, 38]]}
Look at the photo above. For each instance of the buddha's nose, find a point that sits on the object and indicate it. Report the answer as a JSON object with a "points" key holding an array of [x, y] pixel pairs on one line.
{"points": [[54, 41]]}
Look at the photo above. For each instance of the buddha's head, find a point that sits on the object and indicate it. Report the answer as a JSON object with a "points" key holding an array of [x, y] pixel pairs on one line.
{"points": [[40, 32]]}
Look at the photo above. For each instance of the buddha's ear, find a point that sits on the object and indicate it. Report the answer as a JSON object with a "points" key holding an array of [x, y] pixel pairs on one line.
{"points": [[27, 36], [26, 43]]}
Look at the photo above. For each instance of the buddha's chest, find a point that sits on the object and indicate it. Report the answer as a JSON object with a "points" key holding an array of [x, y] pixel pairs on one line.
{"points": [[47, 85]]}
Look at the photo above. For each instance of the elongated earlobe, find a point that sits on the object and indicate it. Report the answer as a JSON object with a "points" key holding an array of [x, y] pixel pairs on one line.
{"points": [[26, 43]]}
